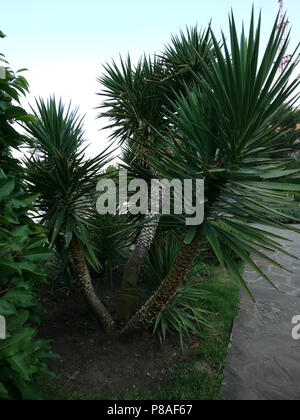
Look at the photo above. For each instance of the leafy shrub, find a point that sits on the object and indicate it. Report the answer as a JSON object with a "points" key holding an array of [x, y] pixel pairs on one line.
{"points": [[22, 250]]}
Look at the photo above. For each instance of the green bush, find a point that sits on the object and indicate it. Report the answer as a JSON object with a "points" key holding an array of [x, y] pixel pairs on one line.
{"points": [[22, 250]]}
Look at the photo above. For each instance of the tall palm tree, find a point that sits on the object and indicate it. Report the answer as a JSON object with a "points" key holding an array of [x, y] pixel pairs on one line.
{"points": [[136, 99], [65, 181], [134, 102], [229, 126]]}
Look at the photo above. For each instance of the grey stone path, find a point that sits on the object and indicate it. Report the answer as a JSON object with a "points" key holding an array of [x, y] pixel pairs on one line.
{"points": [[264, 359]]}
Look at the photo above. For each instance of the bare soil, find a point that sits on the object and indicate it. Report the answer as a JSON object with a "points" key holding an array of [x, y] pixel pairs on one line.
{"points": [[91, 362]]}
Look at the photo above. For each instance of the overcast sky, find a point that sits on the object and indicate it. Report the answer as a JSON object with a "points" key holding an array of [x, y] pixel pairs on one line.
{"points": [[64, 43]]}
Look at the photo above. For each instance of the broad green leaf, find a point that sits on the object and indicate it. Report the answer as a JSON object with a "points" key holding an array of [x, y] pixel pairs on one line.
{"points": [[24, 364], [31, 268], [7, 188], [14, 322], [6, 308], [11, 266], [20, 297], [16, 342]]}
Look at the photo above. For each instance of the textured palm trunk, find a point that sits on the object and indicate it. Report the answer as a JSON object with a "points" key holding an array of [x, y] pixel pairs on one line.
{"points": [[135, 263], [87, 288], [133, 268], [168, 289]]}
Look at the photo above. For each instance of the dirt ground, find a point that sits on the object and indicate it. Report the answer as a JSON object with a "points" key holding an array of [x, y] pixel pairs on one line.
{"points": [[93, 363]]}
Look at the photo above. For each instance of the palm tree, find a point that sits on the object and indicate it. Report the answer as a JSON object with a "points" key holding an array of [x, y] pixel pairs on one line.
{"points": [[229, 126], [136, 99], [134, 103], [65, 182]]}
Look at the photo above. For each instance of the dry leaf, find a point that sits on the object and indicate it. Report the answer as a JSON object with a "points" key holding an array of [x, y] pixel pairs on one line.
{"points": [[196, 346]]}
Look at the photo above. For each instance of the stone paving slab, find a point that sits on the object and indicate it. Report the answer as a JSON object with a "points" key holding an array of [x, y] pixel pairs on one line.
{"points": [[264, 359]]}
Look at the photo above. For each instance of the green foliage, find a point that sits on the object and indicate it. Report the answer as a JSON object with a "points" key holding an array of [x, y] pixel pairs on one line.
{"points": [[63, 178], [228, 126], [112, 235], [134, 101], [184, 313], [182, 57], [201, 376], [136, 97], [110, 242], [22, 251], [11, 87], [60, 272]]}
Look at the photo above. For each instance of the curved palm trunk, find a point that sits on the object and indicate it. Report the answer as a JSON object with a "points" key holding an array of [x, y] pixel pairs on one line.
{"points": [[87, 289], [168, 289], [133, 268]]}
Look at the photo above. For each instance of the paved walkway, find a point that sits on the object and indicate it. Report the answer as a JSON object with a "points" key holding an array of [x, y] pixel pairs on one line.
{"points": [[264, 359]]}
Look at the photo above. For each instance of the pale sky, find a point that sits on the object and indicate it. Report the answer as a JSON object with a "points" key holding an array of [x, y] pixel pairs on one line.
{"points": [[64, 43]]}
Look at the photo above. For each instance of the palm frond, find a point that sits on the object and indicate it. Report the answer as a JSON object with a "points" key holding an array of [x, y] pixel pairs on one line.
{"points": [[58, 172], [227, 128]]}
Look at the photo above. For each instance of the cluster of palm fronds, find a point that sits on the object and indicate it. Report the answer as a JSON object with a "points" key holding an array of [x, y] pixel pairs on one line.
{"points": [[203, 109]]}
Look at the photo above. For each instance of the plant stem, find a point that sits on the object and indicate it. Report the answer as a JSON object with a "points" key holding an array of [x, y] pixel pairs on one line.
{"points": [[168, 289], [87, 288]]}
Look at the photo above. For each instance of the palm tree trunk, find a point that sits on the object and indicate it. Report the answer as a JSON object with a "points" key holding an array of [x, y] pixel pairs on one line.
{"points": [[135, 263], [87, 289], [133, 268], [168, 289]]}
